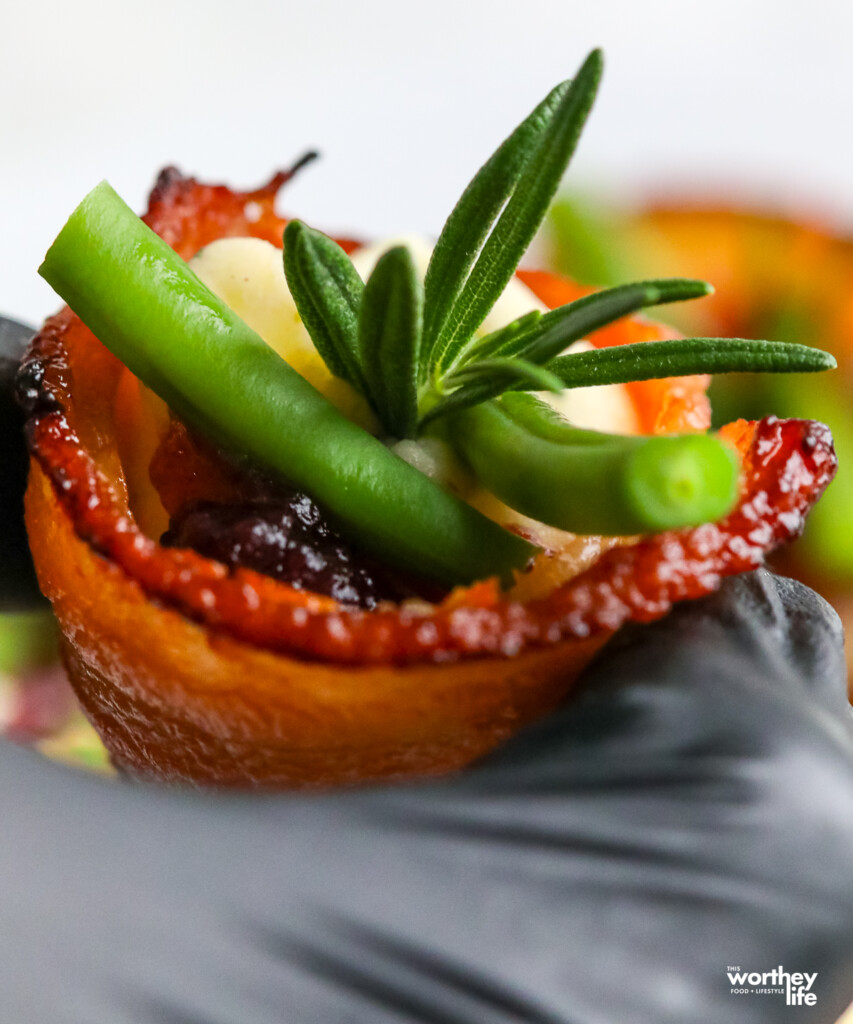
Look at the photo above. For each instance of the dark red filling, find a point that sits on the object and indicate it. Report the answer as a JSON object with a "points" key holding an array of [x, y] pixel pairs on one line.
{"points": [[288, 538]]}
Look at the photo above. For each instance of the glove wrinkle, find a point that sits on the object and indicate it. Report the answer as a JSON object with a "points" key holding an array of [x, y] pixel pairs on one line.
{"points": [[389, 971]]}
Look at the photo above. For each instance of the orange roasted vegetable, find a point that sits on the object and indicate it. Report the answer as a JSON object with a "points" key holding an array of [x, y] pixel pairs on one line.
{"points": [[194, 672]]}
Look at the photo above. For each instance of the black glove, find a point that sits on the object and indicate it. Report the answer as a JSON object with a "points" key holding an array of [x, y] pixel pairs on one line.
{"points": [[689, 813], [18, 587]]}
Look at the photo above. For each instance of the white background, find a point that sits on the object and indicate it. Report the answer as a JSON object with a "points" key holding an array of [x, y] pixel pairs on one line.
{"points": [[753, 97]]}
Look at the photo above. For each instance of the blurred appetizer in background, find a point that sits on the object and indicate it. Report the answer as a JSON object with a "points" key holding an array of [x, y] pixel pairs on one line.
{"points": [[346, 513], [776, 276]]}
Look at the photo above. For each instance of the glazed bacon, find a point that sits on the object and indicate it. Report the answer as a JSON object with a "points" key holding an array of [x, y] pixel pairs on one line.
{"points": [[787, 464], [189, 214]]}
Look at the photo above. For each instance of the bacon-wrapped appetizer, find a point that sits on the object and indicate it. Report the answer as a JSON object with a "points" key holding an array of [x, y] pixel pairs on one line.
{"points": [[357, 514]]}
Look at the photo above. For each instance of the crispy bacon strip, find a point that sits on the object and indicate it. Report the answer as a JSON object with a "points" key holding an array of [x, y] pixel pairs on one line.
{"points": [[189, 214]]}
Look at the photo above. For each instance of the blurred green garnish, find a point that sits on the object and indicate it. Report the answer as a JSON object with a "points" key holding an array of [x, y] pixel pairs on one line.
{"points": [[28, 640]]}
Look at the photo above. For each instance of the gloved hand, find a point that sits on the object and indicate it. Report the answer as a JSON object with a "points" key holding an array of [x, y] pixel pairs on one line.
{"points": [[689, 814], [18, 587]]}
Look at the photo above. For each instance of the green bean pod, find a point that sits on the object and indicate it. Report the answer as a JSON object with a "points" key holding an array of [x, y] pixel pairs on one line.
{"points": [[146, 305], [589, 482]]}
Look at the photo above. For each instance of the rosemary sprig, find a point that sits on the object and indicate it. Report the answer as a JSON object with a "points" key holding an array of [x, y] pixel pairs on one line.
{"points": [[681, 357], [624, 364], [499, 213], [508, 374], [559, 328], [547, 336], [537, 338], [389, 338], [414, 352], [328, 292]]}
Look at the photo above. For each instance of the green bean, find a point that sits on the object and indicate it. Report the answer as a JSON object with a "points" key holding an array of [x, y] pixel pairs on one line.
{"points": [[589, 482], [145, 304]]}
